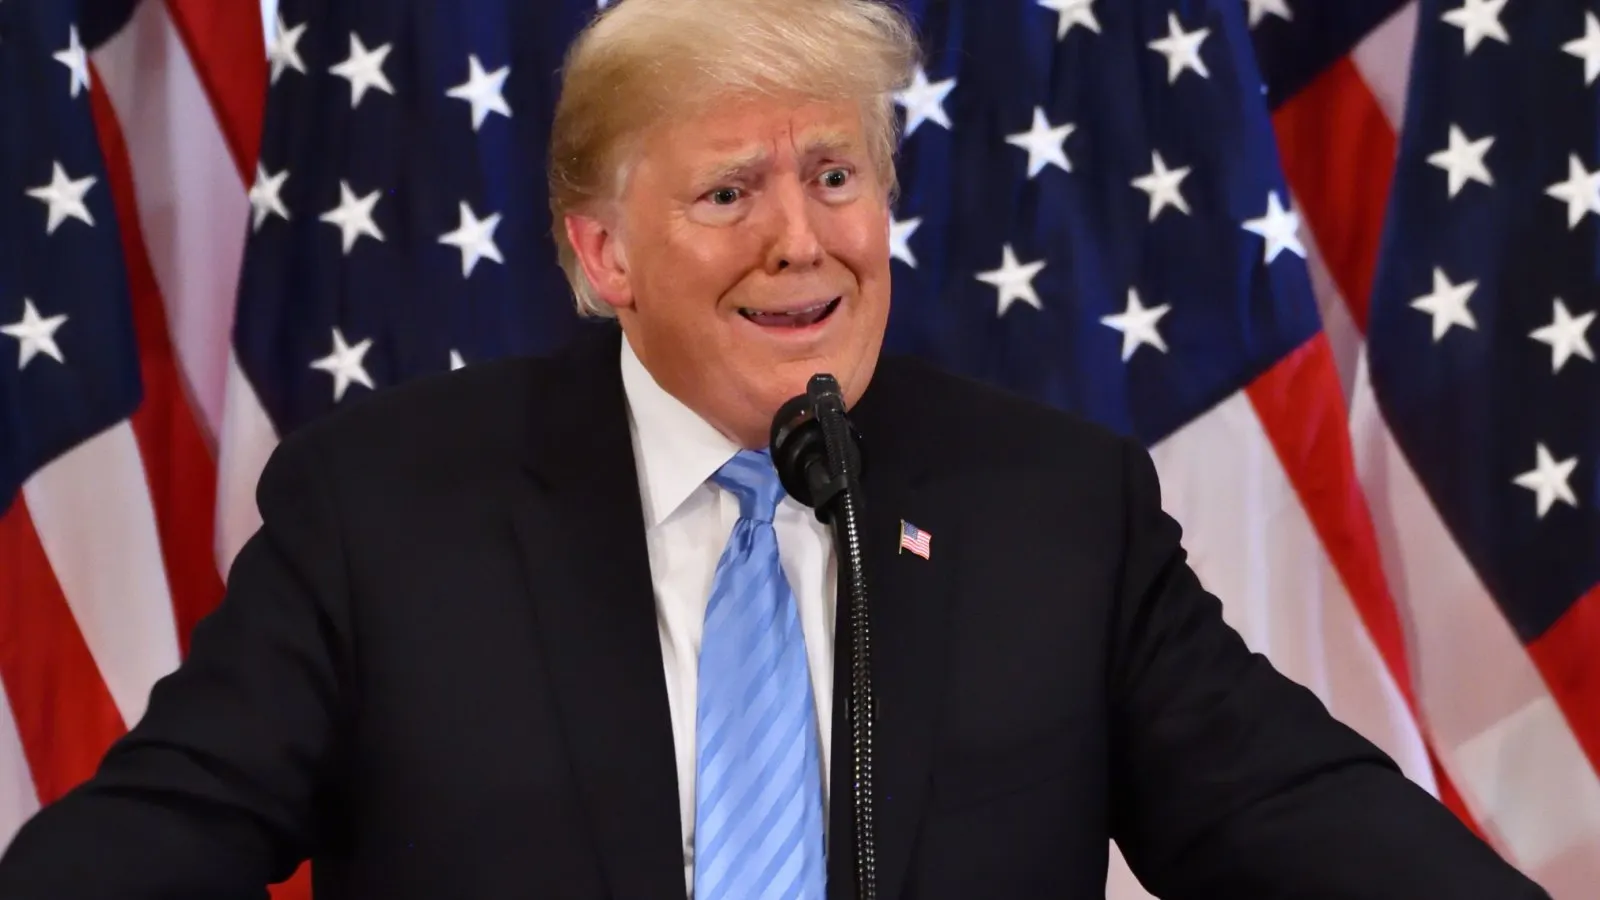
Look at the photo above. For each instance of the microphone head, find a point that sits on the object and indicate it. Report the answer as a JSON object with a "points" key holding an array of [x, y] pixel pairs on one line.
{"points": [[797, 445], [825, 388], [799, 448]]}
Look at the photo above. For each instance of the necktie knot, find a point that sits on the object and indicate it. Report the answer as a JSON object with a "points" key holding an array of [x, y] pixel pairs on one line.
{"points": [[751, 476]]}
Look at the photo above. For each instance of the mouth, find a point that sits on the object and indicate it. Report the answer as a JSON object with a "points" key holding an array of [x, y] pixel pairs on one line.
{"points": [[798, 318]]}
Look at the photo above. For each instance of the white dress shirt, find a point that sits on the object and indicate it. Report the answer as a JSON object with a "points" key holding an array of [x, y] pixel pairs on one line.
{"points": [[688, 520]]}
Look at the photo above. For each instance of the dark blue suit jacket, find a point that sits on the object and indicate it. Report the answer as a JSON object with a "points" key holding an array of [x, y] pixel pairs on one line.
{"points": [[437, 673]]}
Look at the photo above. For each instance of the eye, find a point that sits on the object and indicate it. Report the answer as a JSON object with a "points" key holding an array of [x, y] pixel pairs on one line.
{"points": [[724, 196], [835, 178]]}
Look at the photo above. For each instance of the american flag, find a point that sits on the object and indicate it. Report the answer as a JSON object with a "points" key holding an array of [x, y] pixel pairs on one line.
{"points": [[914, 539], [1440, 166], [1345, 304]]}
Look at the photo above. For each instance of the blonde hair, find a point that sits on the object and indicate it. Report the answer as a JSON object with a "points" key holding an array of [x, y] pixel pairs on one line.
{"points": [[642, 61]]}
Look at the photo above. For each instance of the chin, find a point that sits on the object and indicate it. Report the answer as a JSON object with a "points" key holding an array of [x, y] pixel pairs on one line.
{"points": [[792, 378], [852, 379]]}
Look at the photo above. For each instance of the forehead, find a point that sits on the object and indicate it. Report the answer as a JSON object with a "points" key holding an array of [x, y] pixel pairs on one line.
{"points": [[750, 130]]}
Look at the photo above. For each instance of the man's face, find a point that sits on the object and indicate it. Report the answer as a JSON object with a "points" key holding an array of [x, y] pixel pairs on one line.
{"points": [[750, 251]]}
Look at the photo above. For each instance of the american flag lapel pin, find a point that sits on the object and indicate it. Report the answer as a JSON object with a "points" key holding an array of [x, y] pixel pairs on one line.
{"points": [[914, 539]]}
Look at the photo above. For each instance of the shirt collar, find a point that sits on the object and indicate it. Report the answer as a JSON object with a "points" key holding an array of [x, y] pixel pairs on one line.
{"points": [[674, 449]]}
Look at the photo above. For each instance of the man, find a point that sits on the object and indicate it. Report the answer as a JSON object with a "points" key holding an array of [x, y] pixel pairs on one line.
{"points": [[548, 629]]}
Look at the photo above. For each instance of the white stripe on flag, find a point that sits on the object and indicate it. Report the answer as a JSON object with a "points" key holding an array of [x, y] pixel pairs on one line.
{"points": [[248, 439], [1384, 60], [19, 799], [193, 207], [1253, 545], [91, 509]]}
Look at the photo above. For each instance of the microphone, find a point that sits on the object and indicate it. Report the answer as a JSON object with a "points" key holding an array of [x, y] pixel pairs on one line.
{"points": [[818, 455], [803, 455]]}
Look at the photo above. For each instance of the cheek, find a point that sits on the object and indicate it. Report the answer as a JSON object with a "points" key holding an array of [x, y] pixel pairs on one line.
{"points": [[862, 242], [701, 267]]}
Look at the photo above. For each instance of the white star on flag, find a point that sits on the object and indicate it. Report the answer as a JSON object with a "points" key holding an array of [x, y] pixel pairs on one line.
{"points": [[1013, 280], [1044, 143], [1181, 48], [266, 197], [76, 60], [36, 334], [924, 101], [1478, 19], [1548, 480], [364, 69], [1070, 13], [1138, 325], [474, 237], [1587, 48], [484, 90], [900, 240], [345, 364], [1566, 336], [456, 362], [1164, 186], [283, 50], [1463, 160], [1447, 303], [353, 216], [1260, 9], [1280, 227], [64, 196], [1581, 191]]}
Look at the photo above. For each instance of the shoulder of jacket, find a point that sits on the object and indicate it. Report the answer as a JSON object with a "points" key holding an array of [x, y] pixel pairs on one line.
{"points": [[981, 422]]}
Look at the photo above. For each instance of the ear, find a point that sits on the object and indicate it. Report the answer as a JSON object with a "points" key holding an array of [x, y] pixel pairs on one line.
{"points": [[602, 257]]}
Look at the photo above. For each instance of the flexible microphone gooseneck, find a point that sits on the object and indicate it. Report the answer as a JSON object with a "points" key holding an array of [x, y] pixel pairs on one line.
{"points": [[819, 459]]}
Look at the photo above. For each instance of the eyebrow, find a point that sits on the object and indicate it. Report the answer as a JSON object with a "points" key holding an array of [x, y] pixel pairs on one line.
{"points": [[743, 164]]}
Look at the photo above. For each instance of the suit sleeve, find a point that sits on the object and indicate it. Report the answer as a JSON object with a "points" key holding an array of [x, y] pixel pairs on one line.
{"points": [[1231, 780], [216, 791]]}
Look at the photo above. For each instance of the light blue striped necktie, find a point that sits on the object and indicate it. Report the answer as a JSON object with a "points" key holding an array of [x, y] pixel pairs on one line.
{"points": [[758, 781]]}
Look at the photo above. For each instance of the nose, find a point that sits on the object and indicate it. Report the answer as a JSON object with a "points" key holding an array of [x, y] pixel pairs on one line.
{"points": [[795, 243]]}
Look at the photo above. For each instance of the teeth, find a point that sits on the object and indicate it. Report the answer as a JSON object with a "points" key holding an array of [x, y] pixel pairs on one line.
{"points": [[747, 312], [798, 318]]}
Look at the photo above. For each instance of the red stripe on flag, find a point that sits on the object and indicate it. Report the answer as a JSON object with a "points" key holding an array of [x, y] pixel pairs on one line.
{"points": [[1338, 153], [1568, 655], [1301, 407], [226, 48], [65, 715], [178, 465]]}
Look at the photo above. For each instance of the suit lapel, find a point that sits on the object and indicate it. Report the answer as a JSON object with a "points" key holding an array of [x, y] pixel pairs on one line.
{"points": [[580, 528], [907, 597]]}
